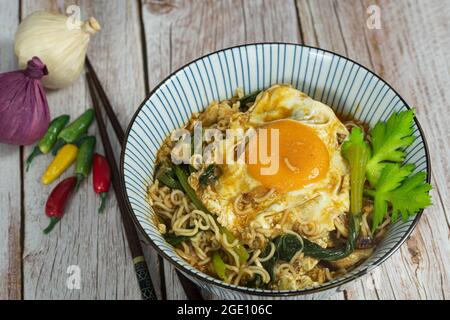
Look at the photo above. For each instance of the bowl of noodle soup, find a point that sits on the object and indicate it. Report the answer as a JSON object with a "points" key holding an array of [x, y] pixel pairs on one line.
{"points": [[225, 241]]}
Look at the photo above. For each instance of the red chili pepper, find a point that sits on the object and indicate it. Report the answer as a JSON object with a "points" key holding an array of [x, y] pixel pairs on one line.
{"points": [[101, 178], [57, 200]]}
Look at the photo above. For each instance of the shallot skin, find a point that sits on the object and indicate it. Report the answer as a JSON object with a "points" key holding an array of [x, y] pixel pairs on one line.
{"points": [[24, 113]]}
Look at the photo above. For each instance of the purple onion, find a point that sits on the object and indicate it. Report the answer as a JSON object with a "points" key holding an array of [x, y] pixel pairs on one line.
{"points": [[24, 114]]}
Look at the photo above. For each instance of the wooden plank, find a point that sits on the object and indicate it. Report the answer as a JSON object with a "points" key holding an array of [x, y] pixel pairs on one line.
{"points": [[120, 63], [177, 32], [400, 53], [95, 243], [10, 188]]}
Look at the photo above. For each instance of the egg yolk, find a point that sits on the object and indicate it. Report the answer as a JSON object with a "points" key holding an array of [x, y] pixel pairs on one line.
{"points": [[302, 156]]}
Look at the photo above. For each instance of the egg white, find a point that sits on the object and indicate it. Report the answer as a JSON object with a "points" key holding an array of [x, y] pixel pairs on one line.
{"points": [[317, 203]]}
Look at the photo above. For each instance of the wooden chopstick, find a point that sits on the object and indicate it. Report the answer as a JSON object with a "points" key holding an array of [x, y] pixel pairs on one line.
{"points": [[190, 289], [106, 104], [140, 266]]}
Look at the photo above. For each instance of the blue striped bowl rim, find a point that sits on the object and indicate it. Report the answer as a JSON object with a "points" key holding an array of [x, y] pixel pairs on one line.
{"points": [[215, 76]]}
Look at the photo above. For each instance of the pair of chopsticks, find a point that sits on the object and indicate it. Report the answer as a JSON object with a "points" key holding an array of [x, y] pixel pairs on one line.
{"points": [[144, 279]]}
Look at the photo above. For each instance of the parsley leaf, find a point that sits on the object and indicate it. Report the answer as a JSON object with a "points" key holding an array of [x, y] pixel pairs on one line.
{"points": [[406, 193], [388, 140]]}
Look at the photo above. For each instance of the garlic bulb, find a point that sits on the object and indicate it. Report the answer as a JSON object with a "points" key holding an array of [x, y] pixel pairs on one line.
{"points": [[60, 45]]}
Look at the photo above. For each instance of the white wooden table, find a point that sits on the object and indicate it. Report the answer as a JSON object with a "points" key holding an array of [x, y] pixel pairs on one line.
{"points": [[141, 42]]}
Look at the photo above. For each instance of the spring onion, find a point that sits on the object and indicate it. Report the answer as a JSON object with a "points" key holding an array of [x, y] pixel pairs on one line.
{"points": [[219, 265]]}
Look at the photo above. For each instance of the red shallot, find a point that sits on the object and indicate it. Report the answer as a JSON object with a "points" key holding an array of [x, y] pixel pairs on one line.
{"points": [[24, 114]]}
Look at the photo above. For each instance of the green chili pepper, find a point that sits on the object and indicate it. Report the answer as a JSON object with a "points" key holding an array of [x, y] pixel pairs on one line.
{"points": [[74, 130], [84, 159], [80, 140], [60, 143], [219, 265], [49, 139]]}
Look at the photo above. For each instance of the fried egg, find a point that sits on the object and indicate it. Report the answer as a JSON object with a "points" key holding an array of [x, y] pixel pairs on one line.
{"points": [[311, 179]]}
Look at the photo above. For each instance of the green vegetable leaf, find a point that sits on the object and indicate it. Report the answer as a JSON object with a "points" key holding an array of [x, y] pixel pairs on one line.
{"points": [[183, 180], [412, 196], [312, 249], [167, 176], [388, 140], [209, 175], [406, 193], [173, 239], [287, 245], [246, 100]]}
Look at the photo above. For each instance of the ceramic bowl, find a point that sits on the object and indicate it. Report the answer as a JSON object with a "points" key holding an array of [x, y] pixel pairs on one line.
{"points": [[346, 86]]}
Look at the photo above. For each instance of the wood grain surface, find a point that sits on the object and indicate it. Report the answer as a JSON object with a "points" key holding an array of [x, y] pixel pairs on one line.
{"points": [[410, 53], [10, 174], [141, 43], [95, 243]]}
